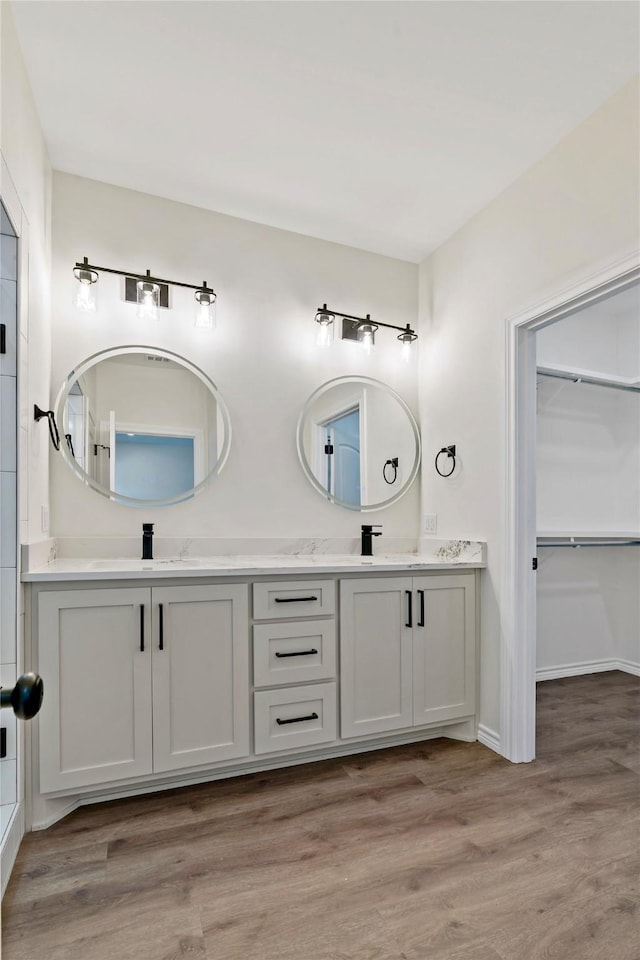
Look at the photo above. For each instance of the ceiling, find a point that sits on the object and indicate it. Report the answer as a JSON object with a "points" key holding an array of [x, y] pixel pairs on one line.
{"points": [[381, 125]]}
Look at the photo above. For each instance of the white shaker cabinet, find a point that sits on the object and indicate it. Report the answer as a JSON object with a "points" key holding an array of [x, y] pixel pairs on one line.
{"points": [[200, 675], [407, 652], [95, 721], [375, 655], [140, 681], [444, 648]]}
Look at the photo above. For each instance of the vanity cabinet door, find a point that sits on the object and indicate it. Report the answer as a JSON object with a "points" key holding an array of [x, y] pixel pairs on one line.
{"points": [[375, 655], [444, 648], [94, 653], [200, 675]]}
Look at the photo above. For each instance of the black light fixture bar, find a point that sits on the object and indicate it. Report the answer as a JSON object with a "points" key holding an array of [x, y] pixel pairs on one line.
{"points": [[364, 320], [85, 265]]}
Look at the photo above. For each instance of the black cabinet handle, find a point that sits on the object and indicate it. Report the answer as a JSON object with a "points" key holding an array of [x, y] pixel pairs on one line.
{"points": [[409, 622], [312, 716], [142, 628], [421, 614], [3, 338], [297, 653], [161, 627], [293, 599]]}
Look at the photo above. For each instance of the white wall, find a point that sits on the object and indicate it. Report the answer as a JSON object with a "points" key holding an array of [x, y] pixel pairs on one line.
{"points": [[569, 214], [26, 184], [603, 338], [262, 356], [588, 609], [588, 458]]}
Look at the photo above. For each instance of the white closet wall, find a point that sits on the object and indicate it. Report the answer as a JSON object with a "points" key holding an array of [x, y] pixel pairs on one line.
{"points": [[588, 484]]}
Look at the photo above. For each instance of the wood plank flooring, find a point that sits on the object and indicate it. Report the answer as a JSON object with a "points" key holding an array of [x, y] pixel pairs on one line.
{"points": [[436, 851]]}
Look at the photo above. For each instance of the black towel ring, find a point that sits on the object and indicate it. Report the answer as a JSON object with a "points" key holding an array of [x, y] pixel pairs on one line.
{"points": [[450, 452], [393, 463]]}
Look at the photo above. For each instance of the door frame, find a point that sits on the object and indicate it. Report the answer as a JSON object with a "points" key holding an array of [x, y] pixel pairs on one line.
{"points": [[518, 657]]}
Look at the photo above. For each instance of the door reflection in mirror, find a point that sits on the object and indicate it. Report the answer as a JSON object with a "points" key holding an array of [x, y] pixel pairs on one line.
{"points": [[342, 463]]}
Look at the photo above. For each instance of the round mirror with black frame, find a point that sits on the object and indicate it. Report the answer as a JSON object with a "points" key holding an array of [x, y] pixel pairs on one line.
{"points": [[358, 443], [143, 426]]}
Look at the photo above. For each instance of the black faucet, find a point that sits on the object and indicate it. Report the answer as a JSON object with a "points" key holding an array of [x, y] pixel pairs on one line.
{"points": [[367, 534], [147, 541]]}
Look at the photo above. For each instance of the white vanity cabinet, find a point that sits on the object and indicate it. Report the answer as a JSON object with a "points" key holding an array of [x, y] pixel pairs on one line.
{"points": [[189, 677], [407, 652], [140, 681]]}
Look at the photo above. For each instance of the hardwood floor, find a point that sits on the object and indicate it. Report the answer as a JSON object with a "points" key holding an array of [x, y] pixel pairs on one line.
{"points": [[437, 851]]}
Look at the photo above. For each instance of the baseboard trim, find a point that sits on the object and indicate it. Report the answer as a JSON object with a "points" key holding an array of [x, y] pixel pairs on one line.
{"points": [[586, 666], [489, 738], [11, 845]]}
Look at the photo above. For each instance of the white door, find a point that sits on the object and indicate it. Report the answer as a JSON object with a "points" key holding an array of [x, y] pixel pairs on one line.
{"points": [[200, 675], [375, 655], [94, 648], [444, 648], [342, 438]]}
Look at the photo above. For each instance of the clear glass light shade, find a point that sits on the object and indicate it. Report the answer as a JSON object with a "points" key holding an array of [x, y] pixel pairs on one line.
{"points": [[366, 336], [405, 351], [148, 299], [325, 333], [205, 309], [407, 339], [85, 290], [326, 327], [206, 316]]}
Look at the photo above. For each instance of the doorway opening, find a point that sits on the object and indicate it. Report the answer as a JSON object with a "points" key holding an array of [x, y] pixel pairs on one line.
{"points": [[518, 663]]}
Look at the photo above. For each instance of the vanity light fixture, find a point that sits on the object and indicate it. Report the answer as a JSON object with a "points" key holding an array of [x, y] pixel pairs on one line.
{"points": [[361, 329], [148, 292]]}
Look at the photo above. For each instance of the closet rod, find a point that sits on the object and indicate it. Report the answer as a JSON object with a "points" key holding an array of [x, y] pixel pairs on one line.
{"points": [[585, 378], [588, 543]]}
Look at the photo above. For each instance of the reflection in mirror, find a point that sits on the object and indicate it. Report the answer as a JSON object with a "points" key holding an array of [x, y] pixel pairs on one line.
{"points": [[358, 443], [143, 426]]}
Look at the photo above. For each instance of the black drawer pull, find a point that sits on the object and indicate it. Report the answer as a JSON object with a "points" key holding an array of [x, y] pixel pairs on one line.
{"points": [[312, 716], [294, 599], [297, 653], [161, 627], [409, 622], [142, 628], [421, 614]]}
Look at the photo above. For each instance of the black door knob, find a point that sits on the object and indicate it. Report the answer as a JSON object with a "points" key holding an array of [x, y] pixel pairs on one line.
{"points": [[26, 696]]}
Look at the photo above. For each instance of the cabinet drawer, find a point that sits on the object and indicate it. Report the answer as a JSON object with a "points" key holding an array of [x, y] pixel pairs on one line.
{"points": [[296, 652], [283, 599], [294, 717]]}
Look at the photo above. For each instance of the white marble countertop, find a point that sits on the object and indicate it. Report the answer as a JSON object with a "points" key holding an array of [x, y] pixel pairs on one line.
{"points": [[114, 568]]}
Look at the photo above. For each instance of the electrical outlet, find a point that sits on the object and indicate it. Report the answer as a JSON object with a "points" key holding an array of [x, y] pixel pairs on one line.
{"points": [[430, 523], [44, 518]]}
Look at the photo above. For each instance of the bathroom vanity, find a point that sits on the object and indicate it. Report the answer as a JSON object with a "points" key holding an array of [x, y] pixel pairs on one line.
{"points": [[169, 672]]}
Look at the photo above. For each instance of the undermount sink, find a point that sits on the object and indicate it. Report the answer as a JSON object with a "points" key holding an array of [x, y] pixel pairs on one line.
{"points": [[136, 564]]}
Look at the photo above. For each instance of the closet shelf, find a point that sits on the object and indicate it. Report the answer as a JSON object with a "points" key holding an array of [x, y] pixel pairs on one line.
{"points": [[600, 539], [591, 377]]}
